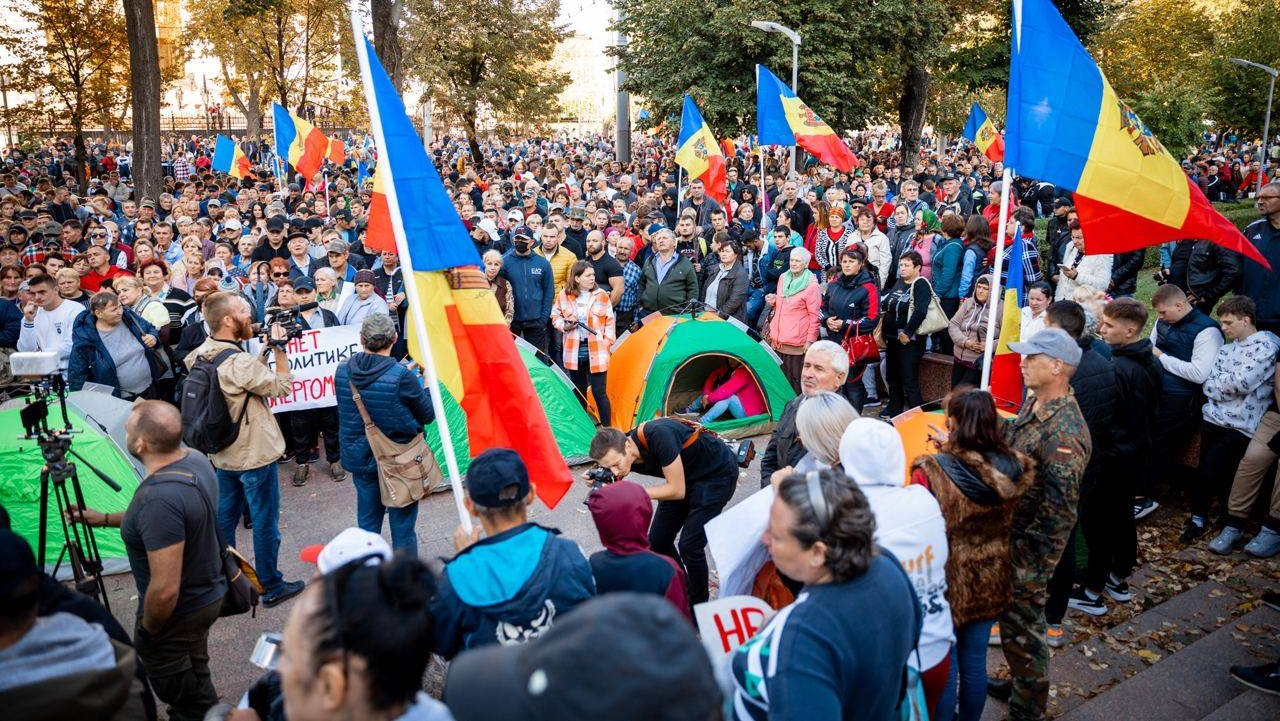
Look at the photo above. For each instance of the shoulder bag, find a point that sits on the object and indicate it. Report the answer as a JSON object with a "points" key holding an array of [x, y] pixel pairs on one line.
{"points": [[860, 348], [406, 471], [935, 318]]}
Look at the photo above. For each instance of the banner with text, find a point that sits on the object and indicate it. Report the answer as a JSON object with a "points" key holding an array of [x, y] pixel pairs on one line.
{"points": [[313, 359]]}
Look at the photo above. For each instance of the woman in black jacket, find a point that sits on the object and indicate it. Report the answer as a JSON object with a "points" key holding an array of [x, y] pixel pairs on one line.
{"points": [[725, 284], [851, 307], [905, 307]]}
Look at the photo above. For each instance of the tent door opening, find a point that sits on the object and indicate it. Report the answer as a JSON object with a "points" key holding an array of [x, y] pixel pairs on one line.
{"points": [[685, 385]]}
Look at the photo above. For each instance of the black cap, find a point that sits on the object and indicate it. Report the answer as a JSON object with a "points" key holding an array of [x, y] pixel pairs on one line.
{"points": [[276, 222], [304, 283], [27, 215], [497, 478], [1062, 203], [18, 228], [297, 234], [314, 222], [343, 214], [522, 232], [589, 665], [617, 218]]}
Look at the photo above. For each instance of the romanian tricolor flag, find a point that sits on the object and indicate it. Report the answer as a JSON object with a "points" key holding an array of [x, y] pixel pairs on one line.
{"points": [[1006, 371], [980, 131], [698, 152], [230, 159], [783, 119], [299, 142], [1066, 126], [450, 302]]}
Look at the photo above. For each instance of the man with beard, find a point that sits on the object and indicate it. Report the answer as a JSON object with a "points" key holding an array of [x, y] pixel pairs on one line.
{"points": [[608, 270], [625, 310], [246, 469]]}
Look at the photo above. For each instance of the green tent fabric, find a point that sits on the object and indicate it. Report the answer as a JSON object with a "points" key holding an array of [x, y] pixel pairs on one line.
{"points": [[20, 464], [571, 425]]}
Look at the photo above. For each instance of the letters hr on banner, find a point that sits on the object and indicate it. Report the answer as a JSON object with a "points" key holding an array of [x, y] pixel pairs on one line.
{"points": [[313, 359], [727, 623]]}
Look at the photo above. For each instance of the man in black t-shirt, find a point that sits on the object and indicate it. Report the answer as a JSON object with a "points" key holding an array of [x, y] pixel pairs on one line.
{"points": [[608, 269], [700, 473]]}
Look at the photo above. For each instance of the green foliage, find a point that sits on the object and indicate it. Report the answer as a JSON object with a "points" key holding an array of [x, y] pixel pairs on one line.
{"points": [[1242, 92], [1174, 111]]}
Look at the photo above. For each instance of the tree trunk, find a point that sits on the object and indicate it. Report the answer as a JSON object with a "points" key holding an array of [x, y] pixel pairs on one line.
{"points": [[911, 106], [144, 81], [470, 121], [82, 154], [386, 38]]}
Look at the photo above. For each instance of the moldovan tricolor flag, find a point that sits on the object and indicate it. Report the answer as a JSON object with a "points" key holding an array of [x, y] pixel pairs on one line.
{"points": [[980, 131], [783, 119], [473, 352], [698, 152], [1006, 371], [230, 159], [300, 142], [1066, 126]]}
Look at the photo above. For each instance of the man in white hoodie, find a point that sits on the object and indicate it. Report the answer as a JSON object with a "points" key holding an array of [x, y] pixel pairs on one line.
{"points": [[47, 320], [909, 525]]}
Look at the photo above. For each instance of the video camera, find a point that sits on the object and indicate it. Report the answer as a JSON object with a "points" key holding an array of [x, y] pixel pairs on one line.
{"points": [[290, 319]]}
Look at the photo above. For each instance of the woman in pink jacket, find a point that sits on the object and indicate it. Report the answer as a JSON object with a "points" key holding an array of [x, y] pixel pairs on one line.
{"points": [[739, 395], [797, 307]]}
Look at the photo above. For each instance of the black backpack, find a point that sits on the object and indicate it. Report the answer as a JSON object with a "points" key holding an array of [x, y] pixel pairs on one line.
{"points": [[207, 425]]}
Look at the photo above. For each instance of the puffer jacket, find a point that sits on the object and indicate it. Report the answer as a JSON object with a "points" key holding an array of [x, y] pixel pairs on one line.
{"points": [[795, 318], [1094, 383], [1239, 388], [854, 299], [977, 494], [392, 395], [91, 363], [1138, 376]]}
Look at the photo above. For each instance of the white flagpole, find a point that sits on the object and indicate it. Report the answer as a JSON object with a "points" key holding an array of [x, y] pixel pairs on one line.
{"points": [[411, 287], [1006, 183]]}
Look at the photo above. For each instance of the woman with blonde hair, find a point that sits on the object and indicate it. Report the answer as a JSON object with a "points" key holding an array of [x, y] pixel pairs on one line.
{"points": [[132, 296]]}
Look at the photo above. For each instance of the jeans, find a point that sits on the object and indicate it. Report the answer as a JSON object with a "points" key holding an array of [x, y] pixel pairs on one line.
{"points": [[370, 511], [176, 660], [755, 305], [869, 378], [260, 490], [731, 404], [968, 673]]}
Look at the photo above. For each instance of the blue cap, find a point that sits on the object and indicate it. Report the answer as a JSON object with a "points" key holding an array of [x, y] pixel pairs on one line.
{"points": [[497, 478]]}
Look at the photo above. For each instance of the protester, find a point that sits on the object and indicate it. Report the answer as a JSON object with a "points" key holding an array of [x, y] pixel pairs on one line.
{"points": [[622, 513], [725, 286], [308, 425], [905, 308], [968, 331], [1258, 282], [584, 315], [363, 302], [48, 320], [851, 310], [826, 366], [668, 280], [532, 288], [500, 286], [1081, 269], [114, 347]]}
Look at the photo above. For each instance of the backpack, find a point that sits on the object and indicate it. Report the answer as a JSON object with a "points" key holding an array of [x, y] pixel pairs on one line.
{"points": [[207, 425]]}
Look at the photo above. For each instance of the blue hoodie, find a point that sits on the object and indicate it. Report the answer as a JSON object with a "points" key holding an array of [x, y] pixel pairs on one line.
{"points": [[394, 398], [532, 285]]}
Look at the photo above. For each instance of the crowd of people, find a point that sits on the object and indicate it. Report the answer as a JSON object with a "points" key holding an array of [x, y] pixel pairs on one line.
{"points": [[853, 279]]}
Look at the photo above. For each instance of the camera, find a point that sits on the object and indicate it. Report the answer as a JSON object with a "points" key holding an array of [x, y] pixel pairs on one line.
{"points": [[745, 451], [290, 319], [600, 477]]}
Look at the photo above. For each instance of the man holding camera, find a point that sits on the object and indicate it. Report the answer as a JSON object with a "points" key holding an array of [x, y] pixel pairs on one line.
{"points": [[700, 473], [246, 469]]}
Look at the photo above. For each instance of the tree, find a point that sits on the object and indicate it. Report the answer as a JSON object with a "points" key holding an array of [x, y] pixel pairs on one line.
{"points": [[1241, 93], [387, 15], [74, 55], [287, 39], [1174, 111], [489, 58], [144, 80]]}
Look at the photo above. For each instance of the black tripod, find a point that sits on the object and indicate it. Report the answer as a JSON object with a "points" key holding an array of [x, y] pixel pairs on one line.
{"points": [[79, 546]]}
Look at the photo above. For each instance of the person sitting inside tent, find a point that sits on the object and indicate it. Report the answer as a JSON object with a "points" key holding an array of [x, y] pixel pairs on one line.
{"points": [[738, 394]]}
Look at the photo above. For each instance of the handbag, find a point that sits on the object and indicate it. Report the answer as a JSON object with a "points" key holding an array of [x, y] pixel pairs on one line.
{"points": [[935, 318], [860, 348], [406, 471]]}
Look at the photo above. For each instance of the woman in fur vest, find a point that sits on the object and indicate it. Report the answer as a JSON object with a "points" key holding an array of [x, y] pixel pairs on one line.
{"points": [[977, 479]]}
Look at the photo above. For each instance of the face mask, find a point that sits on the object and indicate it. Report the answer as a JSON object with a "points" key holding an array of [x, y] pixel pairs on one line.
{"points": [[522, 246]]}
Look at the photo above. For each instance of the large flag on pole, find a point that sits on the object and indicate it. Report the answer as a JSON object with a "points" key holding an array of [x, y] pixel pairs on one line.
{"points": [[230, 159], [299, 142], [980, 131], [783, 119], [699, 154], [455, 326], [1065, 125]]}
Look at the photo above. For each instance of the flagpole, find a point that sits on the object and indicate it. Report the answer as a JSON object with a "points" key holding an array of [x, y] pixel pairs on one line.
{"points": [[410, 287], [993, 304], [679, 191]]}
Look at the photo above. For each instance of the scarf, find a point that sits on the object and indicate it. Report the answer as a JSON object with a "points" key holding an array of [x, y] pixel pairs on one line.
{"points": [[793, 283]]}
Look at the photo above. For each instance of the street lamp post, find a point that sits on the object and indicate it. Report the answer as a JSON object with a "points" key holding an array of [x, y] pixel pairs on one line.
{"points": [[794, 37], [1266, 123]]}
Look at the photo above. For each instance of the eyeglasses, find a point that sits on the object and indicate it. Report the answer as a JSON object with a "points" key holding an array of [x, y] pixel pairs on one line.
{"points": [[280, 275]]}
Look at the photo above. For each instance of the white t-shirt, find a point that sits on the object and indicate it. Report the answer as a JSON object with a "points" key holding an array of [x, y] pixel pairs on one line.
{"points": [[51, 331]]}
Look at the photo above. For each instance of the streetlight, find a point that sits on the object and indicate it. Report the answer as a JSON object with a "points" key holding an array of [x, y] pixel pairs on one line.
{"points": [[1266, 124], [794, 37]]}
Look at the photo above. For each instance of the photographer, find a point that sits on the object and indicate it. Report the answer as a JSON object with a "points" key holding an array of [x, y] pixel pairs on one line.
{"points": [[247, 467], [700, 473]]}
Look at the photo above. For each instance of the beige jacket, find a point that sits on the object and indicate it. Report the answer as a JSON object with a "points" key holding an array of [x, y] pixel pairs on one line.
{"points": [[260, 442]]}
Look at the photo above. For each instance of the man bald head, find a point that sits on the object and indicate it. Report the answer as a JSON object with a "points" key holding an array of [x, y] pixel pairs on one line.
{"points": [[154, 428]]}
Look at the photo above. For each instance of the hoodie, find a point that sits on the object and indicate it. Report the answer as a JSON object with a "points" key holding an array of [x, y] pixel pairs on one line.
{"points": [[622, 512], [909, 525], [1240, 386]]}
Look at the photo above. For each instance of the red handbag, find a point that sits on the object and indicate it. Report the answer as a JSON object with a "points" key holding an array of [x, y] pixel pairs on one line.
{"points": [[861, 348]]}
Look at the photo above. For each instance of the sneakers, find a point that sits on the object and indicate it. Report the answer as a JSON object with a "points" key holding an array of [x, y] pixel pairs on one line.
{"points": [[1228, 541], [287, 591], [1081, 600], [301, 474], [1118, 589], [1144, 508], [994, 638], [871, 403], [1192, 531], [1055, 636], [1264, 678], [1264, 545], [337, 472]]}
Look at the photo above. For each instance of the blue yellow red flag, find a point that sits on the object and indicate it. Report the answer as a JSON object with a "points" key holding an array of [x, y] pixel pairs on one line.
{"points": [[230, 159], [698, 152], [299, 142], [1065, 125], [980, 131], [1006, 371], [783, 119]]}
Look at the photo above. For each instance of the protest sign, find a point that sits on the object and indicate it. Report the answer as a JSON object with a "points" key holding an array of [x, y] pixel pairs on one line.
{"points": [[733, 539], [313, 359], [727, 623]]}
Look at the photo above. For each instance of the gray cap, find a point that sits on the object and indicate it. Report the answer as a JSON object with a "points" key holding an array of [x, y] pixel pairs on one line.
{"points": [[1053, 342], [377, 329]]}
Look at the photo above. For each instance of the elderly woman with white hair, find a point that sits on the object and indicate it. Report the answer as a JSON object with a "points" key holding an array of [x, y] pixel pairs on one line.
{"points": [[797, 313], [909, 524], [820, 423]]}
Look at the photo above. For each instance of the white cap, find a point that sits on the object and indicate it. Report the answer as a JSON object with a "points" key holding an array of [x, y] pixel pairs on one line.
{"points": [[347, 546]]}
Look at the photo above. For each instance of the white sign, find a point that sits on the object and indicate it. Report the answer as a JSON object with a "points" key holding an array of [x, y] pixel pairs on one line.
{"points": [[733, 538], [313, 359], [727, 623]]}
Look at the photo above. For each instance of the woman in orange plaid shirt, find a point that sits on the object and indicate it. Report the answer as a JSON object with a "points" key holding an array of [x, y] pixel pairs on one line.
{"points": [[584, 315]]}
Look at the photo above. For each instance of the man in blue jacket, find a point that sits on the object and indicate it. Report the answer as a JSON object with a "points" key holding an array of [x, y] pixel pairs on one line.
{"points": [[399, 406], [515, 583], [532, 287]]}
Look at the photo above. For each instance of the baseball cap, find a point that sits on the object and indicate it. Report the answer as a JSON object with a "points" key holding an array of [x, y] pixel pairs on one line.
{"points": [[347, 546], [304, 283], [343, 214], [276, 222], [27, 214], [232, 224], [522, 232], [1053, 342], [516, 215], [590, 665], [364, 276], [338, 246], [497, 478], [1062, 203], [617, 218], [655, 227]]}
